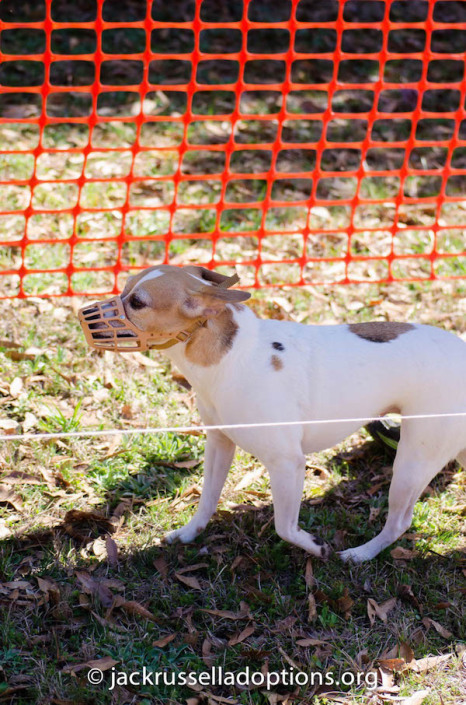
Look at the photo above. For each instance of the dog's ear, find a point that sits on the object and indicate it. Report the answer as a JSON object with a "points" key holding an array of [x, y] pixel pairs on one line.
{"points": [[207, 274], [209, 301]]}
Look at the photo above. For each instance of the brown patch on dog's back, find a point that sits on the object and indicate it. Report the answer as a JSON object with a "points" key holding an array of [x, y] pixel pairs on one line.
{"points": [[380, 331], [209, 344], [277, 364]]}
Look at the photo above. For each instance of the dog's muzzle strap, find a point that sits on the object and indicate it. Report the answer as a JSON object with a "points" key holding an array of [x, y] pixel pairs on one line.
{"points": [[107, 327]]}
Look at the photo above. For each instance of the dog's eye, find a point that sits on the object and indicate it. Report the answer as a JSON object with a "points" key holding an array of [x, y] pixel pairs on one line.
{"points": [[136, 303]]}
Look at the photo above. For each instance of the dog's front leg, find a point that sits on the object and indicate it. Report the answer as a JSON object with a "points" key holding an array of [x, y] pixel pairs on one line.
{"points": [[287, 481], [219, 452]]}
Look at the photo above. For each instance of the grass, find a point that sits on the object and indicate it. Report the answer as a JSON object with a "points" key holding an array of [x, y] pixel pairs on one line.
{"points": [[148, 485]]}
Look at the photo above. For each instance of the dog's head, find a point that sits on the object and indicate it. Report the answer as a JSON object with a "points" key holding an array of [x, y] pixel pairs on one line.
{"points": [[161, 305]]}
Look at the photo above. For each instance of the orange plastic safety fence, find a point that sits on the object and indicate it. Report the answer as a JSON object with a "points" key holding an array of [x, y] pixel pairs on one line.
{"points": [[303, 142]]}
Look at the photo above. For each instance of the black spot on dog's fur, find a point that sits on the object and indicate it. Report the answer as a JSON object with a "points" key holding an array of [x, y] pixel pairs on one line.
{"points": [[278, 346]]}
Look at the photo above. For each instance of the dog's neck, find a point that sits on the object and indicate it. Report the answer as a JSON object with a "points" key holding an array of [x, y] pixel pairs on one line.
{"points": [[209, 345]]}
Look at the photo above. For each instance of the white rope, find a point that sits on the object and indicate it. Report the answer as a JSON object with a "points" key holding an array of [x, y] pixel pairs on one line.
{"points": [[218, 427]]}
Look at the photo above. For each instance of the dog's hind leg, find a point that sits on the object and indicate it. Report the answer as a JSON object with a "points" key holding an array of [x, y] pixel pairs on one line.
{"points": [[218, 457], [287, 481], [416, 463]]}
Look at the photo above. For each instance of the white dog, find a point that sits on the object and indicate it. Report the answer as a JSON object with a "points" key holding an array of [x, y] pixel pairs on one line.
{"points": [[247, 371]]}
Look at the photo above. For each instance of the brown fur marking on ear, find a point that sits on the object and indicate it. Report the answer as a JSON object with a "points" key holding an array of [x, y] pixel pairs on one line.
{"points": [[277, 364], [380, 331], [210, 343]]}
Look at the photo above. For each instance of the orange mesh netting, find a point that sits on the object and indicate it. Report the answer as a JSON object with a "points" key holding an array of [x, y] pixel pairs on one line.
{"points": [[303, 142]]}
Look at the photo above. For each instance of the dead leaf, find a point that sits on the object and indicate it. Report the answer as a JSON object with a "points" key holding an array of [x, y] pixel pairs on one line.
{"points": [[309, 574], [416, 698], [425, 664], [312, 609], [381, 611], [8, 426], [191, 568], [344, 604], [427, 622], [163, 641], [189, 580], [161, 564], [7, 495], [126, 412], [405, 554], [102, 664], [16, 387], [249, 479], [112, 551], [311, 642], [84, 526], [228, 614], [133, 608]]}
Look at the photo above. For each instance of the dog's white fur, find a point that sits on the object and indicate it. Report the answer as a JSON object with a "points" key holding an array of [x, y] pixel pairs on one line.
{"points": [[322, 372]]}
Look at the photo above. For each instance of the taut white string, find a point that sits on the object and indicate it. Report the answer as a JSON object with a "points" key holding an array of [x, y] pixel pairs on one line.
{"points": [[217, 427]]}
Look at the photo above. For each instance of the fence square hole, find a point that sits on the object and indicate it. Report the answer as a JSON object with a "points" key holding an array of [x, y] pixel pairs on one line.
{"points": [[191, 221], [140, 253], [12, 227], [86, 254], [151, 194], [260, 102], [412, 214], [57, 196], [172, 40], [94, 225], [329, 217], [428, 157], [213, 102], [114, 134], [56, 255], [245, 190], [385, 159], [199, 192], [69, 104], [215, 71], [88, 282], [412, 268], [250, 161], [255, 131], [340, 159], [22, 73], [362, 41], [220, 41], [374, 215], [435, 129], [74, 41], [355, 101], [161, 134], [403, 71], [398, 101], [213, 11], [391, 130], [456, 185], [264, 71], [103, 194], [368, 270], [406, 41], [408, 11], [16, 167], [312, 71], [22, 41], [72, 73], [363, 11], [116, 11], [108, 164], [14, 198], [84, 11], [59, 165], [445, 71], [448, 41], [441, 101], [449, 241], [336, 188], [147, 223], [167, 11], [203, 162], [301, 131], [327, 245], [118, 72], [127, 40], [169, 103], [269, 11], [209, 132], [156, 163], [358, 71], [12, 11], [371, 243], [284, 246], [241, 220], [296, 160], [305, 102], [170, 72], [408, 242], [286, 219], [291, 189], [312, 11], [10, 257], [379, 188], [324, 273], [315, 41], [352, 130], [268, 41]]}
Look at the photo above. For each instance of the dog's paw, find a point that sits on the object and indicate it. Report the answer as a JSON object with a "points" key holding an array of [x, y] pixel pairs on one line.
{"points": [[185, 534], [351, 555]]}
